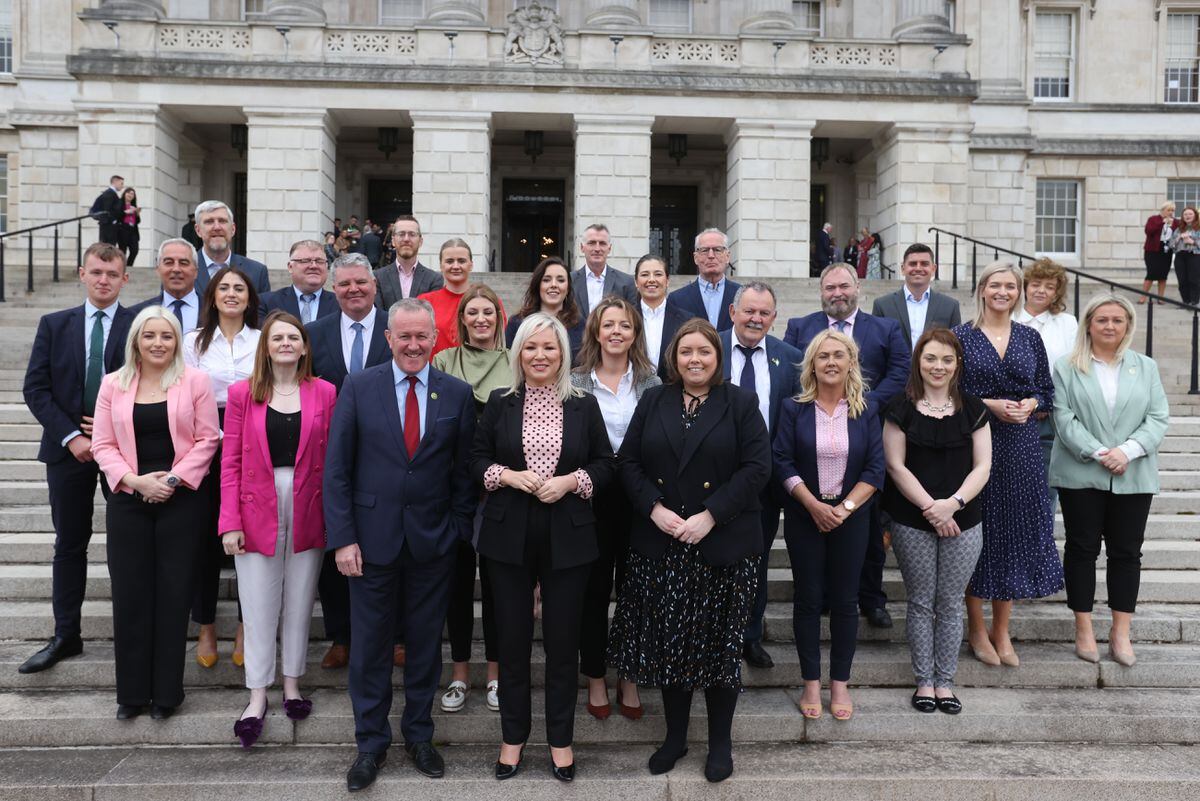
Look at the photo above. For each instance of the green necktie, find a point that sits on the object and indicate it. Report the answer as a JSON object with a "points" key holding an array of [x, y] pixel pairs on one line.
{"points": [[95, 366]]}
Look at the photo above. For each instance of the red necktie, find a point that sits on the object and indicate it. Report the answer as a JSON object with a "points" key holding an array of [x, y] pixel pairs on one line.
{"points": [[412, 418]]}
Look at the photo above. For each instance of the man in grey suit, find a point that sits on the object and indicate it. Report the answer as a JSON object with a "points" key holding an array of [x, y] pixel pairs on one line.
{"points": [[915, 306], [596, 280], [406, 277]]}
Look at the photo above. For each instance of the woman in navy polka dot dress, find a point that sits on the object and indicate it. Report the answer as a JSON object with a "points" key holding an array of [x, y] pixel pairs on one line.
{"points": [[1005, 365]]}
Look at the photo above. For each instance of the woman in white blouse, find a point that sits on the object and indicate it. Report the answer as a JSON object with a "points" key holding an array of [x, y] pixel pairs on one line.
{"points": [[613, 366], [1045, 312], [223, 347]]}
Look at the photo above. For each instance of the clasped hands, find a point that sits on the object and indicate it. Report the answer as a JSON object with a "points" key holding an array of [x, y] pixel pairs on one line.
{"points": [[1113, 460], [153, 487], [546, 490], [940, 515], [689, 531], [1010, 411]]}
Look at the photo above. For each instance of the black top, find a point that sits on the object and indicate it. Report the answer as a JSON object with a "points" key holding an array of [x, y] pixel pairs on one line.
{"points": [[283, 437], [939, 453], [152, 433]]}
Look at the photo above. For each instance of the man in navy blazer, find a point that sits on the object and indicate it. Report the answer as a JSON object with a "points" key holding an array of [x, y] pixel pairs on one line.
{"points": [[175, 264], [762, 364], [398, 500], [216, 228], [710, 295], [826, 252], [884, 356], [305, 297], [72, 351]]}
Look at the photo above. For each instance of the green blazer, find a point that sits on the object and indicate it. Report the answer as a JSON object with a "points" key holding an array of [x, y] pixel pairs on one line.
{"points": [[1083, 426]]}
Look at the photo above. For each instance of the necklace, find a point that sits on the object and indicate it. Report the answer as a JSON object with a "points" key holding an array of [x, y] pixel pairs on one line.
{"points": [[949, 404], [276, 390], [694, 401]]}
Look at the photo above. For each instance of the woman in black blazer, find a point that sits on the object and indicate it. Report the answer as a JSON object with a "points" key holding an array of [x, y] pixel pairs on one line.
{"points": [[540, 451], [693, 461]]}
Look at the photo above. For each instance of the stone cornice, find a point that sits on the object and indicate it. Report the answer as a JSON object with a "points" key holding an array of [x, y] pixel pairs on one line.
{"points": [[1003, 142], [105, 65], [1154, 148]]}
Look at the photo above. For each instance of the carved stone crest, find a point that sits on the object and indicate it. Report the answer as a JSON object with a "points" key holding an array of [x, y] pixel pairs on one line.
{"points": [[534, 36]]}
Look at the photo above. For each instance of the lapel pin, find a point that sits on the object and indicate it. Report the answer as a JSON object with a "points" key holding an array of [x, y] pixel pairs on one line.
{"points": [[775, 362], [433, 395]]}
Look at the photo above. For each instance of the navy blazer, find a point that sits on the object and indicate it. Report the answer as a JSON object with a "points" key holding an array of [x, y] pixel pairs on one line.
{"points": [[379, 498], [673, 317], [688, 300], [286, 300], [783, 362], [884, 354], [794, 450], [328, 360], [256, 271], [57, 369]]}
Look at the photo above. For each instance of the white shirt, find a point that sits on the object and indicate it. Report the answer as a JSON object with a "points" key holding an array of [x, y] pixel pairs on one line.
{"points": [[918, 313], [1109, 377], [1057, 331], [368, 324], [190, 309], [616, 408], [652, 323], [225, 362], [89, 320], [762, 375], [595, 285]]}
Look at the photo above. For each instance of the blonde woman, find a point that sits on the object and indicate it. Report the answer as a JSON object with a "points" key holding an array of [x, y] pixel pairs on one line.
{"points": [[1159, 231], [1005, 366], [828, 453]]}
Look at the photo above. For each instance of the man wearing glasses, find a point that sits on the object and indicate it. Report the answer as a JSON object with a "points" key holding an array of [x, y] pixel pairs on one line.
{"points": [[306, 298], [711, 294], [407, 277]]}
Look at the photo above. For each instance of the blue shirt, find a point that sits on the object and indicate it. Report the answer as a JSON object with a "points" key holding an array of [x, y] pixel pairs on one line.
{"points": [[401, 379], [316, 302], [89, 320], [712, 295], [918, 311]]}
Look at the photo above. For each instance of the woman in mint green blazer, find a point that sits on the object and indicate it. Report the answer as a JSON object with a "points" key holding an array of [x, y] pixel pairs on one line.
{"points": [[1110, 411]]}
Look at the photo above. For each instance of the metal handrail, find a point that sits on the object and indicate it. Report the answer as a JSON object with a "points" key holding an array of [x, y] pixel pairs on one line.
{"points": [[99, 215], [996, 250]]}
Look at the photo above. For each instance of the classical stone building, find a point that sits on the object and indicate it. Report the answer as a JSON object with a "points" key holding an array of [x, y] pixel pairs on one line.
{"points": [[1048, 125]]}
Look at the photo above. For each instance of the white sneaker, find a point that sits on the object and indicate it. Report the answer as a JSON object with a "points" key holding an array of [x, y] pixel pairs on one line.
{"points": [[493, 695], [455, 696]]}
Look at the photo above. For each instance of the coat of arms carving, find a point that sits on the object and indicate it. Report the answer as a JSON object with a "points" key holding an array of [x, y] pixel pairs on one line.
{"points": [[535, 36]]}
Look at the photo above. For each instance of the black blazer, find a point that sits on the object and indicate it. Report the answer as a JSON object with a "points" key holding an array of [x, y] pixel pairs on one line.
{"points": [[256, 271], [113, 208], [689, 300], [327, 359], [721, 465], [286, 300], [56, 372], [506, 511]]}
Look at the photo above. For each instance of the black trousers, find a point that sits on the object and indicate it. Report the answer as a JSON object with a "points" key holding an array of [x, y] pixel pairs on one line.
{"points": [[770, 528], [72, 492], [1187, 270], [151, 562], [460, 620], [562, 605], [614, 516], [1089, 516], [334, 591], [129, 237]]}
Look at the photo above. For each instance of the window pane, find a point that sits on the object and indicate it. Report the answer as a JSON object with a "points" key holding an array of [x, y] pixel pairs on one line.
{"points": [[1053, 51], [672, 15], [1056, 216], [808, 15], [253, 7], [400, 12], [1181, 80], [6, 48], [1183, 193]]}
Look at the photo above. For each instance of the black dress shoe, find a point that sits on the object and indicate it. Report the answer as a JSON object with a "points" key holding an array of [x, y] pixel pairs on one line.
{"points": [[426, 759], [57, 649], [878, 618], [364, 770], [664, 759], [128, 711], [757, 656], [505, 771], [160, 712], [718, 768], [566, 774]]}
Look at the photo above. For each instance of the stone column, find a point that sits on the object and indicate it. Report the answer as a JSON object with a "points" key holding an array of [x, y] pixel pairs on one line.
{"points": [[295, 11], [612, 14], [456, 12], [452, 179], [612, 183], [920, 18], [133, 9], [922, 180], [767, 196], [291, 173], [767, 15]]}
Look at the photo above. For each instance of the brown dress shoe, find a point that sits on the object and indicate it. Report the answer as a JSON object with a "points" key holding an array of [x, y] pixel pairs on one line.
{"points": [[338, 656], [398, 656]]}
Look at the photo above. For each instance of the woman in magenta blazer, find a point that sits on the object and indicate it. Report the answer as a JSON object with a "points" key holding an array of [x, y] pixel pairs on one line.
{"points": [[272, 522], [154, 435]]}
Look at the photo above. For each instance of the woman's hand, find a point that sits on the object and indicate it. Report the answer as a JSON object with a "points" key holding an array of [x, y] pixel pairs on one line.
{"points": [[667, 521], [1007, 411], [552, 489], [1115, 461], [153, 487], [695, 528], [941, 512], [824, 516], [523, 480], [234, 543]]}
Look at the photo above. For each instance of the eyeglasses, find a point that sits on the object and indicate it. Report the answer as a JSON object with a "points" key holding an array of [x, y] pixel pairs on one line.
{"points": [[406, 235], [306, 262], [712, 251]]}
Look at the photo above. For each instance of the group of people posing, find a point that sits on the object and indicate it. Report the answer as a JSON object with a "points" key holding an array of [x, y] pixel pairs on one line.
{"points": [[381, 444]]}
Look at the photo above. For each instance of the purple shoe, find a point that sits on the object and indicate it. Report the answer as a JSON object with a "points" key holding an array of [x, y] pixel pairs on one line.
{"points": [[297, 708], [248, 730]]}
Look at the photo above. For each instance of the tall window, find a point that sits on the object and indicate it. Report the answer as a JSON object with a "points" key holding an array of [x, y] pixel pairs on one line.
{"points": [[670, 15], [1183, 193], [253, 7], [6, 43], [1054, 55], [400, 12], [1182, 78], [3, 192], [1057, 217], [808, 15]]}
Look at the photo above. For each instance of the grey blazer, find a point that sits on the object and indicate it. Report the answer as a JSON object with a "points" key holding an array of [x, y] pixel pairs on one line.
{"points": [[943, 311], [615, 283], [584, 381], [387, 282]]}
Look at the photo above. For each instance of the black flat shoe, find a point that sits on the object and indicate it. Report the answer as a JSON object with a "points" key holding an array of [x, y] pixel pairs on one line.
{"points": [[924, 703], [54, 651], [878, 618], [426, 759], [951, 705], [128, 711], [566, 774], [504, 771], [159, 712], [756, 656], [662, 760], [364, 770], [718, 768]]}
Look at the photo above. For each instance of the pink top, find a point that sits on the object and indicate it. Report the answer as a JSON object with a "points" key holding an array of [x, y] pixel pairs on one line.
{"points": [[406, 279], [849, 321], [833, 444], [541, 440]]}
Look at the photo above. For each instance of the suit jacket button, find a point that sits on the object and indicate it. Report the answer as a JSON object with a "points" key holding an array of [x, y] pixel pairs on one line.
{"points": [[707, 485], [250, 473]]}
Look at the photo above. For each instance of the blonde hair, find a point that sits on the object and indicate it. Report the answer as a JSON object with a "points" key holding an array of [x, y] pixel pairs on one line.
{"points": [[855, 388], [1081, 354], [133, 357], [1170, 204], [993, 269], [535, 324]]}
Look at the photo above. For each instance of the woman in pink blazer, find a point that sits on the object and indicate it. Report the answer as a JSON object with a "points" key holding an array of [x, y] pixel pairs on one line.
{"points": [[154, 435], [272, 521]]}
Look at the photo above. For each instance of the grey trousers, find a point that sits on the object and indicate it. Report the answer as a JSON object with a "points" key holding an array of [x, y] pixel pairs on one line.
{"points": [[936, 571]]}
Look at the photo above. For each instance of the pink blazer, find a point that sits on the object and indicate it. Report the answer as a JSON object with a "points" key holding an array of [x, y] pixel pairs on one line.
{"points": [[192, 414], [248, 500]]}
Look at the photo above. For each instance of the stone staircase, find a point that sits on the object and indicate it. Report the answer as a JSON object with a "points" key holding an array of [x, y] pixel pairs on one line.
{"points": [[1056, 727]]}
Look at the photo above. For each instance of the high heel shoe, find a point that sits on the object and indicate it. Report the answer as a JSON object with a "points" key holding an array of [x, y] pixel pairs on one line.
{"points": [[206, 660], [506, 771], [1123, 658], [989, 659], [600, 712], [1009, 658], [628, 712], [1087, 655], [810, 711], [563, 774], [841, 712], [248, 730]]}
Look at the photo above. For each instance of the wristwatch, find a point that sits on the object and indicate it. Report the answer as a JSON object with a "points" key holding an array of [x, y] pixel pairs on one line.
{"points": [[172, 480], [850, 505], [961, 503]]}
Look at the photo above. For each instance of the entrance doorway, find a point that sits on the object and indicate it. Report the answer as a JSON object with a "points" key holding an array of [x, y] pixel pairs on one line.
{"points": [[673, 213], [240, 186], [532, 223], [817, 201], [387, 199]]}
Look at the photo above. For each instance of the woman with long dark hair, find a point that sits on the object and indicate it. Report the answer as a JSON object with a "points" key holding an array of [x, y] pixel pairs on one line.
{"points": [[127, 232], [549, 291]]}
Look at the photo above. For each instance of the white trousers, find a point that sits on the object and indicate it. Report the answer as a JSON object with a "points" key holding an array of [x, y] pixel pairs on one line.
{"points": [[275, 589]]}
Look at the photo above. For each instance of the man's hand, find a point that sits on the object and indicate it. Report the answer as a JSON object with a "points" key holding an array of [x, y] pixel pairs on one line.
{"points": [[348, 559], [81, 448]]}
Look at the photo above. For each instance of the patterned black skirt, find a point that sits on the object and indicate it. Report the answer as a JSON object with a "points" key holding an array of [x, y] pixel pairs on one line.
{"points": [[680, 622]]}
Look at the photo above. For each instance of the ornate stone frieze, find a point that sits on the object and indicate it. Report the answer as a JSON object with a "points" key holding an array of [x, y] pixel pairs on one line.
{"points": [[535, 36], [1148, 148], [354, 43], [852, 56], [726, 53]]}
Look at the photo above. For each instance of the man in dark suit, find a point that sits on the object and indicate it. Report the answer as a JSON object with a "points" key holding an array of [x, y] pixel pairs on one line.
{"points": [[596, 279], [711, 294], [826, 252], [72, 351], [915, 306], [215, 227], [407, 277], [111, 207], [306, 297], [762, 364], [398, 500], [176, 268], [660, 320], [884, 356], [370, 244], [188, 232]]}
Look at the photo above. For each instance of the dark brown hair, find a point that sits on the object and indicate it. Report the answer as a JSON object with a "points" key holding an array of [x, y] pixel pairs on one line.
{"points": [[915, 389], [590, 354], [210, 318], [1046, 270], [568, 315], [264, 373], [696, 325]]}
